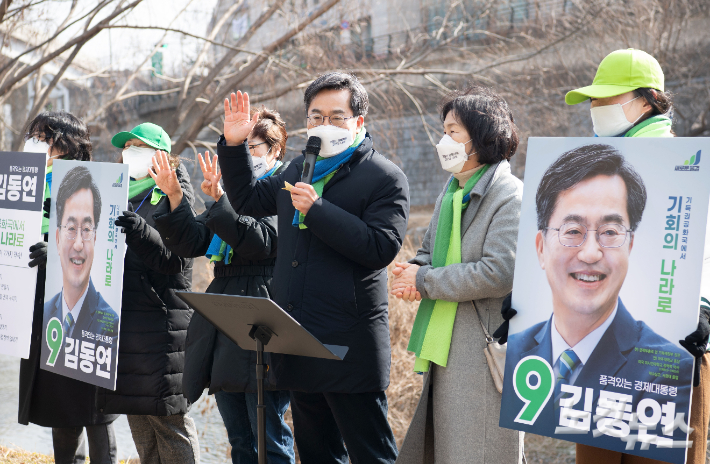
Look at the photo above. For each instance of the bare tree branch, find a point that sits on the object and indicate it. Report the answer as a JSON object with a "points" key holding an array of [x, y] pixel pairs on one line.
{"points": [[200, 119], [186, 104]]}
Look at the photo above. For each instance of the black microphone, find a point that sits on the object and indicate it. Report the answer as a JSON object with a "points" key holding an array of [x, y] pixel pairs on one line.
{"points": [[309, 164]]}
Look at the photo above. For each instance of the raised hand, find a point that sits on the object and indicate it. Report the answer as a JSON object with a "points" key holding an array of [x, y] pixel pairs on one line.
{"points": [[166, 178], [210, 186], [237, 122]]}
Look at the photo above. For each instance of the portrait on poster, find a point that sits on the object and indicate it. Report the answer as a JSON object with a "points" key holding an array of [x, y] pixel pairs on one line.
{"points": [[607, 282], [84, 272]]}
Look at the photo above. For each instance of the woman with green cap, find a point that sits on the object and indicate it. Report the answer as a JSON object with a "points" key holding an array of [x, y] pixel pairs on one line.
{"points": [[627, 97], [628, 100], [153, 319]]}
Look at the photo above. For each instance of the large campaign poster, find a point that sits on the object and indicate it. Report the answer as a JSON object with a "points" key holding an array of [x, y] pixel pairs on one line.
{"points": [[21, 196], [607, 281], [82, 304]]}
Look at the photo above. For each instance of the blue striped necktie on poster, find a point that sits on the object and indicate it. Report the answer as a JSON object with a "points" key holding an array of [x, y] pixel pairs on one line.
{"points": [[568, 362], [68, 324]]}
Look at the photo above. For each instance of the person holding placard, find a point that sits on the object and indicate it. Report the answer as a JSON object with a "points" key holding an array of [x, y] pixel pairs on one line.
{"points": [[462, 274], [154, 320], [628, 99], [46, 398], [243, 250]]}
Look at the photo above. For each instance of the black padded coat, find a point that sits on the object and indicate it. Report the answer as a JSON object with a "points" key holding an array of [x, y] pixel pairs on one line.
{"points": [[153, 320], [332, 276], [211, 359]]}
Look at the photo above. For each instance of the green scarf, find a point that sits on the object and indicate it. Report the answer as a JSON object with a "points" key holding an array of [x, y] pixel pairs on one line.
{"points": [[137, 186], [657, 126], [431, 335]]}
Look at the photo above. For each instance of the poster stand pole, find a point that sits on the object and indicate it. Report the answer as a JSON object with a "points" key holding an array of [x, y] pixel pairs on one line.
{"points": [[247, 320], [262, 335]]}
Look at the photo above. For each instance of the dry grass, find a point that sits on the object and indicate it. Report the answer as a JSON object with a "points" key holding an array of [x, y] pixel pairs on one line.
{"points": [[18, 456]]}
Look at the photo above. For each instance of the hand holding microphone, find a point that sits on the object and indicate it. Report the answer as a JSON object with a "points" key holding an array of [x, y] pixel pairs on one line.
{"points": [[303, 195]]}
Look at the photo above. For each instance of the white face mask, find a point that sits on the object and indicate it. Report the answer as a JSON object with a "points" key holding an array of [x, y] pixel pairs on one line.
{"points": [[139, 160], [452, 154], [34, 145], [610, 120], [333, 140], [260, 165]]}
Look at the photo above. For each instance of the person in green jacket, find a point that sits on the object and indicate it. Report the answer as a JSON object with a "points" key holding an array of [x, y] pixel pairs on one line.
{"points": [[628, 100]]}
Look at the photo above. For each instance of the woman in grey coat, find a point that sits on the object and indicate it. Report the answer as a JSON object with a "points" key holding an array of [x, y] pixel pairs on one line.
{"points": [[467, 255]]}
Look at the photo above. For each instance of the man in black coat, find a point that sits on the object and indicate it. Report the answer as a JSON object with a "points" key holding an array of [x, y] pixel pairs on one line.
{"points": [[336, 238]]}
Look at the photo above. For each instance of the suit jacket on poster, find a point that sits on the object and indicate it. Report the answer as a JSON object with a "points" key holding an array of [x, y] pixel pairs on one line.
{"points": [[616, 355], [96, 315]]}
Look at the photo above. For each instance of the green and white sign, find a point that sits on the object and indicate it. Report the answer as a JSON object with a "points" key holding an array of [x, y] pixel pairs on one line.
{"points": [[607, 282], [21, 196], [82, 305]]}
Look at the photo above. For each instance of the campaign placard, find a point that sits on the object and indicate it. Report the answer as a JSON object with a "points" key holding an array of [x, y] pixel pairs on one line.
{"points": [[21, 197], [82, 305], [607, 282]]}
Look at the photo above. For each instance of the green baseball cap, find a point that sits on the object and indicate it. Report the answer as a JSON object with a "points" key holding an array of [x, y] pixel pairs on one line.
{"points": [[620, 72], [150, 133]]}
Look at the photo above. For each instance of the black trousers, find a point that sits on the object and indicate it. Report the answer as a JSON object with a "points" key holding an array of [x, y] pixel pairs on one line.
{"points": [[326, 423], [69, 444]]}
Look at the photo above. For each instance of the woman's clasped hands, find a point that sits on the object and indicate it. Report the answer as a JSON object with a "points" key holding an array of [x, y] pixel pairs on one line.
{"points": [[404, 285]]}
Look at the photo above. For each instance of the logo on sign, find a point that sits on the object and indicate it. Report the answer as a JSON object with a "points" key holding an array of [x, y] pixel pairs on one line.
{"points": [[119, 181], [692, 164]]}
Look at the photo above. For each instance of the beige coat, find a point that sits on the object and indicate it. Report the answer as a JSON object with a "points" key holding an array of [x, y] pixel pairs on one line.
{"points": [[457, 417]]}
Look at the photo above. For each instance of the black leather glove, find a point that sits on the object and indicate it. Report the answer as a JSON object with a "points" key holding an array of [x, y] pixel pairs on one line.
{"points": [[130, 222], [696, 343], [507, 312], [38, 255], [45, 207]]}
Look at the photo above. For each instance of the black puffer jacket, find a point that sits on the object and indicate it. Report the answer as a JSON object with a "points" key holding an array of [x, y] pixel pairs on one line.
{"points": [[332, 276], [154, 320], [211, 359]]}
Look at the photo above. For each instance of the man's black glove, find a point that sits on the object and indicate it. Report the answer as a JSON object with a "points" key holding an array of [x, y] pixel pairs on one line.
{"points": [[507, 312], [697, 342], [38, 255], [45, 207]]}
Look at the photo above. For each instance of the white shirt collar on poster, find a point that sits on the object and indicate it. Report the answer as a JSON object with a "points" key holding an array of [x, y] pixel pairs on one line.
{"points": [[74, 311], [583, 349]]}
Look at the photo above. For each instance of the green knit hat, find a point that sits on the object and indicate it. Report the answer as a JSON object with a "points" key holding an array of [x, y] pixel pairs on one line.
{"points": [[150, 133], [620, 72]]}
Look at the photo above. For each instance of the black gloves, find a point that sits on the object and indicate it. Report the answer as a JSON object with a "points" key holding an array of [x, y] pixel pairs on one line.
{"points": [[507, 312], [130, 222], [38, 255], [696, 343], [45, 207]]}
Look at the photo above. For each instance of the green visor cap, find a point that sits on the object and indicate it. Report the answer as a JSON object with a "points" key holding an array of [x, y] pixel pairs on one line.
{"points": [[150, 133], [620, 72]]}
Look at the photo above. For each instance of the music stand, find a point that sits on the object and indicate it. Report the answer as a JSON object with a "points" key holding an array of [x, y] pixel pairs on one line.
{"points": [[245, 320]]}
